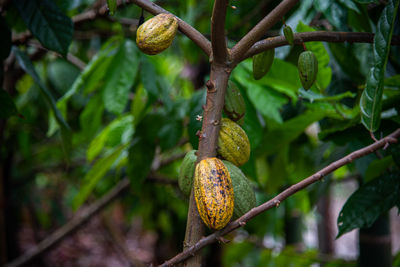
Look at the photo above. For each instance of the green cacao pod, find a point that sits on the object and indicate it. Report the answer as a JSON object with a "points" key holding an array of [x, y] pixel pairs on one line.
{"points": [[233, 143], [234, 106], [245, 199], [308, 68], [186, 172], [287, 31], [213, 192], [262, 63], [157, 33]]}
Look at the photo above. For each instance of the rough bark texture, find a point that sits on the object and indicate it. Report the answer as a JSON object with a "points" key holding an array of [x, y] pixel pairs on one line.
{"points": [[208, 140]]}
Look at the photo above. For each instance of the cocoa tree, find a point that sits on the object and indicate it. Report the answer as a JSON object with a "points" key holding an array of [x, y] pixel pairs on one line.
{"points": [[140, 137]]}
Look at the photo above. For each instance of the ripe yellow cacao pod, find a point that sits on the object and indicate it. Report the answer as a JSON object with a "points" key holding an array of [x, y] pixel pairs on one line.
{"points": [[213, 192], [157, 33], [233, 143]]}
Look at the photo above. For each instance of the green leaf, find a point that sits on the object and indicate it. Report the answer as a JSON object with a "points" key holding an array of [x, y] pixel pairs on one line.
{"points": [[251, 125], [267, 101], [91, 117], [7, 105], [324, 75], [139, 104], [366, 204], [141, 155], [112, 6], [47, 23], [285, 133], [377, 168], [371, 98], [91, 77], [345, 53], [312, 96], [264, 99], [28, 67], [97, 172], [115, 130], [120, 77]]}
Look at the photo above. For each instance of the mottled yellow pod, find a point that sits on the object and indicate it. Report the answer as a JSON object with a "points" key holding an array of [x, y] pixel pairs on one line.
{"points": [[213, 192], [157, 33], [233, 143]]}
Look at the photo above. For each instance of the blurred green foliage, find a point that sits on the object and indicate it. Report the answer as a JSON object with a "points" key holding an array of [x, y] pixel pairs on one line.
{"points": [[125, 111]]}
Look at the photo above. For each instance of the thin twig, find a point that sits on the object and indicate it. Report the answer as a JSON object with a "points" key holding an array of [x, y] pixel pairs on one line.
{"points": [[390, 139], [321, 36], [261, 28], [218, 40], [185, 28], [79, 219]]}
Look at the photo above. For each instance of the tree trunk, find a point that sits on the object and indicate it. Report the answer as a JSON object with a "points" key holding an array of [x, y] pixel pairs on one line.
{"points": [[375, 244], [325, 227], [293, 228], [208, 139]]}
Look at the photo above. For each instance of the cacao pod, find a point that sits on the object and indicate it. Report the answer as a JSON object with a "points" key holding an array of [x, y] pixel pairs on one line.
{"points": [[244, 196], [186, 172], [233, 143], [245, 199], [157, 33], [213, 193], [234, 106], [287, 31], [308, 68], [262, 63]]}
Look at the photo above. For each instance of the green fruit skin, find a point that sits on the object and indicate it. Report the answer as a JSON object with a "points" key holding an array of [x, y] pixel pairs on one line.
{"points": [[262, 63], [186, 172], [287, 31], [308, 68], [245, 198], [234, 106], [233, 143]]}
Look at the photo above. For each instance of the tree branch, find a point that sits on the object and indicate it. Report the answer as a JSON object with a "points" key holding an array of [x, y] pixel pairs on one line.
{"points": [[85, 214], [218, 40], [151, 7], [260, 29], [79, 219], [390, 139], [185, 28], [321, 36]]}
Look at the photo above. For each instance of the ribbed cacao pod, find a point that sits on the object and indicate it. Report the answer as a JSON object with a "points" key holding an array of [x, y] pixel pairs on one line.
{"points": [[308, 68], [245, 199], [234, 106], [213, 192], [262, 63], [157, 33], [186, 172], [287, 31], [233, 143]]}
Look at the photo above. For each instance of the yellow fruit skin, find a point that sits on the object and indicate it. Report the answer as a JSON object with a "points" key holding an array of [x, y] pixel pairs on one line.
{"points": [[213, 192], [157, 33], [233, 143]]}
